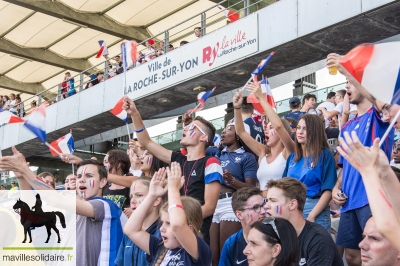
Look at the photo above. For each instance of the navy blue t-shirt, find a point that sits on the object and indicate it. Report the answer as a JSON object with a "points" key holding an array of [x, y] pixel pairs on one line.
{"points": [[254, 129], [239, 163], [131, 255], [232, 252], [316, 178], [295, 115], [179, 256]]}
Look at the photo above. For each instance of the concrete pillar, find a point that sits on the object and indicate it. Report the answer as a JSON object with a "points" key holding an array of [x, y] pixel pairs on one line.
{"points": [[304, 85], [229, 113]]}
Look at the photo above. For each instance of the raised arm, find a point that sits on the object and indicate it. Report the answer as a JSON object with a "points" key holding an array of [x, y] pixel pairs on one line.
{"points": [[364, 160], [257, 147], [177, 217], [275, 120], [143, 136], [133, 228]]}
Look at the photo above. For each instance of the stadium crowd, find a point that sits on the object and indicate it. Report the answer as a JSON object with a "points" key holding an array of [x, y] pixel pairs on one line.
{"points": [[265, 194]]}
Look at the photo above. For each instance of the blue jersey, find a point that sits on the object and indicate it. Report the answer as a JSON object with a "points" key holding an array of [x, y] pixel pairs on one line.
{"points": [[232, 252], [316, 178], [129, 254], [254, 129], [368, 127], [295, 115], [239, 163]]}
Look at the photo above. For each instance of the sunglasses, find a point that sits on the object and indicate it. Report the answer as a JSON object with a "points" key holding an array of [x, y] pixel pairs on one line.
{"points": [[271, 221], [193, 125]]}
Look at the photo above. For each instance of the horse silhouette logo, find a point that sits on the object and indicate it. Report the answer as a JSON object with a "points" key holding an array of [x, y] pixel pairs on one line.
{"points": [[31, 219]]}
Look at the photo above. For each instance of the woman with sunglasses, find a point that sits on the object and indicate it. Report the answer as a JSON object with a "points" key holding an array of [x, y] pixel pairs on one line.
{"points": [[272, 242], [239, 171], [279, 145]]}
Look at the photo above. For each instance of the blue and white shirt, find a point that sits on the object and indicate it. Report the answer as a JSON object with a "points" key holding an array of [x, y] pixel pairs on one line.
{"points": [[232, 252], [254, 129]]}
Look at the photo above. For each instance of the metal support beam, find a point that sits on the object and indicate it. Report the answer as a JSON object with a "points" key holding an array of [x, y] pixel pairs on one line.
{"points": [[43, 56], [94, 21], [30, 88]]}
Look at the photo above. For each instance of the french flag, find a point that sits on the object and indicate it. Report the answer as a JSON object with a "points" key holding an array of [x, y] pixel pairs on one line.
{"points": [[202, 98], [6, 117], [267, 93], [103, 51], [377, 68], [36, 122], [229, 14], [119, 112], [64, 145], [262, 65], [129, 53]]}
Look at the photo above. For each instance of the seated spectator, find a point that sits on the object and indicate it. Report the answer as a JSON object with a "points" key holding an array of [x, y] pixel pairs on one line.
{"points": [[6, 102], [294, 105], [286, 199], [48, 178], [19, 106], [197, 32], [99, 78], [313, 164], [376, 249], [309, 101], [182, 43], [181, 221], [170, 47], [149, 52], [120, 68], [272, 242], [160, 50], [248, 205], [110, 72], [70, 182], [12, 106]]}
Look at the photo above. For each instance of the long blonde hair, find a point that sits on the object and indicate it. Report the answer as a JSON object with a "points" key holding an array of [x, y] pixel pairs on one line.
{"points": [[194, 218]]}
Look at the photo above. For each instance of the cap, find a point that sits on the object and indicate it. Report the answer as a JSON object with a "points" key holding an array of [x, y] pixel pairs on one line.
{"points": [[294, 101], [151, 42]]}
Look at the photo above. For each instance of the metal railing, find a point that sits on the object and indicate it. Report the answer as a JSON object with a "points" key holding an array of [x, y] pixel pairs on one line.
{"points": [[170, 139], [80, 81]]}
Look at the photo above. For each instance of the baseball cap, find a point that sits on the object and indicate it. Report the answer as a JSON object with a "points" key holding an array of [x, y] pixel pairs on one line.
{"points": [[294, 101]]}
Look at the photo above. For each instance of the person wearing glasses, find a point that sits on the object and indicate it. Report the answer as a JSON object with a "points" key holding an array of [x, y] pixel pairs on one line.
{"points": [[396, 153], [248, 205], [202, 174], [286, 199], [272, 242]]}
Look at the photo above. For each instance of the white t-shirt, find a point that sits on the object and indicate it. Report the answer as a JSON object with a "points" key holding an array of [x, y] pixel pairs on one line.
{"points": [[392, 163], [329, 107], [339, 109], [135, 172]]}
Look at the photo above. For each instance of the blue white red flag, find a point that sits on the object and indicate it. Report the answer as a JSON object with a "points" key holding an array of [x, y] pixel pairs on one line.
{"points": [[103, 51], [36, 122], [377, 68], [267, 93], [64, 145], [129, 53], [6, 117], [229, 14], [111, 232], [202, 98], [262, 64], [119, 112]]}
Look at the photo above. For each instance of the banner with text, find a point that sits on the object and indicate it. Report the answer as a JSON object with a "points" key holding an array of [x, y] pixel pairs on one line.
{"points": [[221, 47]]}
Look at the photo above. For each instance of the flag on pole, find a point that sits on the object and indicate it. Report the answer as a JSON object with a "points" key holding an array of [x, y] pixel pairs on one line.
{"points": [[103, 51], [64, 145], [229, 14], [36, 122], [6, 117], [202, 98], [267, 93], [262, 64], [377, 68], [129, 53], [119, 112]]}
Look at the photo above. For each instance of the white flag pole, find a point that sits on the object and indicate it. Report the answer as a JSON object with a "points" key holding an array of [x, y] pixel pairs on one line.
{"points": [[389, 128]]}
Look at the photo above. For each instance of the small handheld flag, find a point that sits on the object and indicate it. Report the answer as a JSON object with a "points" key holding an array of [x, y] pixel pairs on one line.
{"points": [[64, 145], [229, 14], [6, 117], [129, 53], [267, 93], [119, 112], [202, 98], [259, 68], [103, 51], [36, 122]]}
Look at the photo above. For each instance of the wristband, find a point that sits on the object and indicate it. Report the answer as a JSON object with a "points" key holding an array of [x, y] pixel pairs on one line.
{"points": [[238, 107], [176, 206], [140, 130]]}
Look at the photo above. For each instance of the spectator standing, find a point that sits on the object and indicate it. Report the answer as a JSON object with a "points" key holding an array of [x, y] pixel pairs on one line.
{"points": [[313, 164], [70, 182], [12, 106], [182, 43], [328, 105], [248, 205], [239, 170], [48, 178], [149, 52], [170, 47], [294, 105], [19, 106], [286, 199], [6, 102], [197, 32], [99, 78], [254, 129], [309, 101]]}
